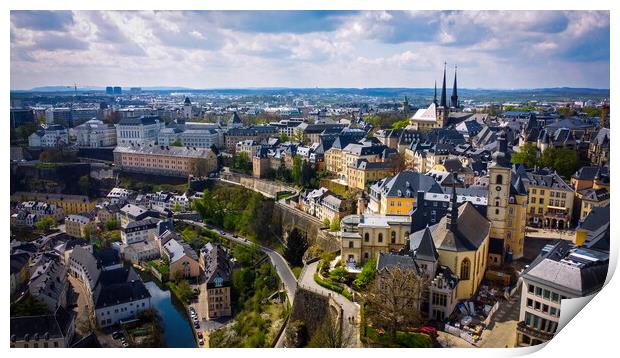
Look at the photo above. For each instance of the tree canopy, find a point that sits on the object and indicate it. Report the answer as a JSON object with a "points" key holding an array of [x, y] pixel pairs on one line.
{"points": [[527, 155]]}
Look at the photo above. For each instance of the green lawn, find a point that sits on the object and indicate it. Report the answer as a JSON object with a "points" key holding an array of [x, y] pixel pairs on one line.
{"points": [[296, 271], [403, 339]]}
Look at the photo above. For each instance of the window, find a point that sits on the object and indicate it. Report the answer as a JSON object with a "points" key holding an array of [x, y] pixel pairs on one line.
{"points": [[529, 302], [553, 311], [350, 244], [465, 265], [530, 288], [538, 291], [380, 239], [555, 297], [546, 294], [499, 179], [545, 308], [541, 200], [393, 237], [533, 191], [366, 237], [537, 305]]}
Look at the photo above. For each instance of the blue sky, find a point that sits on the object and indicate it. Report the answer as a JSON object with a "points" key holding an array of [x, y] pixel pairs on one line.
{"points": [[211, 49]]}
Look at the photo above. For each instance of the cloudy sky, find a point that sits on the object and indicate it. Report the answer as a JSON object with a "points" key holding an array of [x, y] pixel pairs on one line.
{"points": [[209, 49]]}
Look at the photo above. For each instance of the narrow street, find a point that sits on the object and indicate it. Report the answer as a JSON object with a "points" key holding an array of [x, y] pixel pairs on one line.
{"points": [[502, 331]]}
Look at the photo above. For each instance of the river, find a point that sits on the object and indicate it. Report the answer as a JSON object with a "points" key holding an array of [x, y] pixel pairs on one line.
{"points": [[177, 330]]}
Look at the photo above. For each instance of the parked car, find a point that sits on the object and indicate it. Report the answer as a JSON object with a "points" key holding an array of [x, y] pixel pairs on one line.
{"points": [[431, 331], [201, 341], [117, 335], [196, 324]]}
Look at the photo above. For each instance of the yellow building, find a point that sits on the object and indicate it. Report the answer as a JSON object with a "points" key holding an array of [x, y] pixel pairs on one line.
{"points": [[506, 207], [422, 157], [165, 160], [71, 204], [461, 241], [463, 246], [396, 195], [364, 173], [363, 237], [79, 225], [550, 203]]}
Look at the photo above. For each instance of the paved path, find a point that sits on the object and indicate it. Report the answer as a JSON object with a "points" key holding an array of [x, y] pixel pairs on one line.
{"points": [[350, 309], [284, 271], [502, 331]]}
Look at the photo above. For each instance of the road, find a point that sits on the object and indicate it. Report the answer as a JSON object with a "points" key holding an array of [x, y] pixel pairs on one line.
{"points": [[350, 309], [284, 272]]}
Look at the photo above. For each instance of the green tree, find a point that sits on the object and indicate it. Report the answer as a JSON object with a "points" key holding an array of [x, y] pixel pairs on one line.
{"points": [[326, 222], [400, 124], [284, 138], [176, 143], [111, 225], [295, 247], [242, 162], [565, 161], [527, 155], [339, 274], [367, 276], [335, 225], [564, 111], [45, 223]]}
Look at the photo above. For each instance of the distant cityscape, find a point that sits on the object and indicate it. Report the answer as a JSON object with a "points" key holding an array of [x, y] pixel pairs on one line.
{"points": [[305, 217]]}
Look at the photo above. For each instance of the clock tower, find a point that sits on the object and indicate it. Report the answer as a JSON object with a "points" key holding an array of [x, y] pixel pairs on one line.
{"points": [[498, 199]]}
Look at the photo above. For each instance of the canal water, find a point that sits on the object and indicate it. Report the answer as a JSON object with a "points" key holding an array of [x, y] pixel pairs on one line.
{"points": [[177, 329]]}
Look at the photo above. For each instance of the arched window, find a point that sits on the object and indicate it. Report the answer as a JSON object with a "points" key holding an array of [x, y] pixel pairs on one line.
{"points": [[380, 238], [499, 179], [366, 237], [350, 244], [465, 264], [393, 238]]}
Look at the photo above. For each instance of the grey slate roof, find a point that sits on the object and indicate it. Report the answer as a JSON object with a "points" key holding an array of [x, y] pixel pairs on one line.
{"points": [[389, 260], [406, 184], [119, 286], [472, 229], [51, 326], [423, 246], [142, 120], [564, 268]]}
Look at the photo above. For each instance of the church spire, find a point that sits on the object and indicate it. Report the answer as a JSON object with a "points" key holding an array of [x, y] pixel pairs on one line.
{"points": [[435, 96], [455, 98], [443, 103], [453, 210]]}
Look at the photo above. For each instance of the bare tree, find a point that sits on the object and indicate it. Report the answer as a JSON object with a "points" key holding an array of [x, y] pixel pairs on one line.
{"points": [[200, 167], [333, 333], [395, 298]]}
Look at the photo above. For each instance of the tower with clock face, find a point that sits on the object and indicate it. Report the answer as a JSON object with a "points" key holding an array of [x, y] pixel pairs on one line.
{"points": [[498, 199]]}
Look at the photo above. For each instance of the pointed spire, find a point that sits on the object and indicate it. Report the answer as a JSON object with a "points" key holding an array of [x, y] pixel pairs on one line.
{"points": [[435, 96], [442, 102], [453, 211], [426, 250], [455, 97]]}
